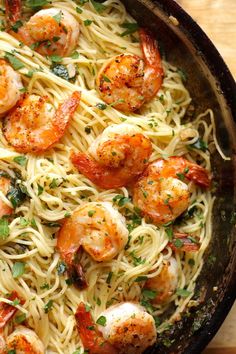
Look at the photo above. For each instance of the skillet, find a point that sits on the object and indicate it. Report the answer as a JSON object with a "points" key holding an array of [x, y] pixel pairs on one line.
{"points": [[211, 85]]}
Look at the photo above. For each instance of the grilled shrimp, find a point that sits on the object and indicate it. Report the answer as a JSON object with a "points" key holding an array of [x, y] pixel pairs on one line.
{"points": [[117, 157], [23, 340], [127, 328], [5, 184], [127, 81], [99, 229], [50, 31], [161, 192], [34, 125], [13, 10], [10, 85], [165, 283]]}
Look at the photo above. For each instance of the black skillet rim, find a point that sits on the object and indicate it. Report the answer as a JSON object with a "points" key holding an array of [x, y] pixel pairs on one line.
{"points": [[221, 73]]}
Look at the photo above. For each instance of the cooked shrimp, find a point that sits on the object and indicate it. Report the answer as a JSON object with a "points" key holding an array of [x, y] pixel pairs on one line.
{"points": [[127, 327], [91, 338], [34, 125], [98, 228], [10, 85], [13, 10], [50, 31], [165, 283], [161, 192], [127, 81], [5, 184], [118, 156], [23, 340]]}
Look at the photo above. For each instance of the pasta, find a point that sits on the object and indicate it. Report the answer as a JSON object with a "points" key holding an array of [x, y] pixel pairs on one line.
{"points": [[55, 188]]}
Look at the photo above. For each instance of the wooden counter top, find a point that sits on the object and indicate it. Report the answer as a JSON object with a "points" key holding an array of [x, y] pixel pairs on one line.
{"points": [[218, 19]]}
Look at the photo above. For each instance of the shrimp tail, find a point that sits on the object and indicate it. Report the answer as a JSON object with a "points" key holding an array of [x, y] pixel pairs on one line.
{"points": [[199, 175], [92, 339], [187, 243], [76, 274], [7, 311], [153, 72], [150, 50], [65, 111], [13, 10]]}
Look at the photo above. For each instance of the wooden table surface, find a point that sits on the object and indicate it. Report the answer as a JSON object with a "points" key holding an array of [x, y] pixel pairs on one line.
{"points": [[218, 19]]}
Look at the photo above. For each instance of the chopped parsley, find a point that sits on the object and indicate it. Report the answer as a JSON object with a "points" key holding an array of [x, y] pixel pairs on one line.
{"points": [[110, 274], [36, 3], [40, 189], [149, 294], [45, 286], [55, 58], [87, 22], [16, 26], [102, 321], [106, 79], [130, 28], [121, 200], [18, 269], [21, 318], [4, 229], [178, 243], [91, 213], [141, 278], [199, 145], [101, 106], [75, 55], [15, 63], [137, 260], [20, 160], [98, 6], [58, 17], [48, 306], [183, 292]]}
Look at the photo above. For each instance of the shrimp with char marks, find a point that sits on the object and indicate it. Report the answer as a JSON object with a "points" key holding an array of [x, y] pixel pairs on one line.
{"points": [[99, 229], [127, 328], [10, 86], [22, 340], [161, 192], [118, 157], [50, 32], [34, 125], [128, 81]]}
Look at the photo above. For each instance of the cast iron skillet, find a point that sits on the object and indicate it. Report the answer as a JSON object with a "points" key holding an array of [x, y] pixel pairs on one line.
{"points": [[211, 85]]}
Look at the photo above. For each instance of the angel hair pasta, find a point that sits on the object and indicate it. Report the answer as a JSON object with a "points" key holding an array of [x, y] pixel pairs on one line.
{"points": [[80, 164]]}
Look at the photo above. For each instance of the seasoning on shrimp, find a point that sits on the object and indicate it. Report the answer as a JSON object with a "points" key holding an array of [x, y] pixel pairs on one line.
{"points": [[10, 86], [128, 81], [22, 339], [34, 125], [161, 192], [99, 229], [50, 31], [118, 156], [126, 328]]}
